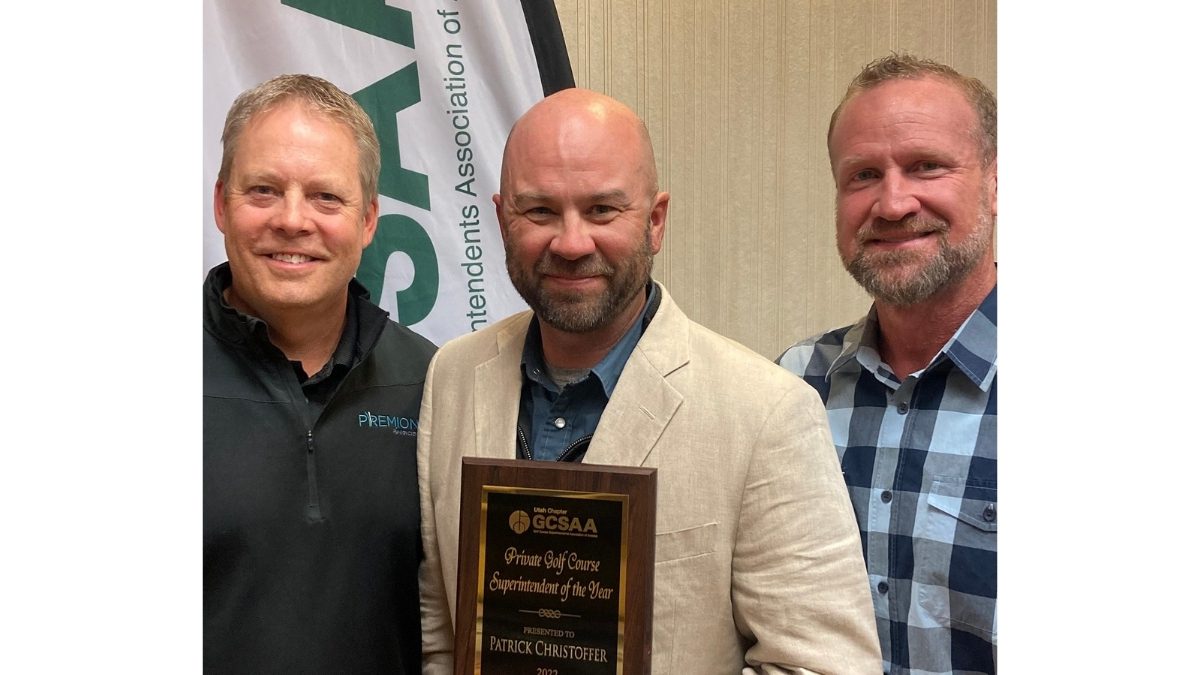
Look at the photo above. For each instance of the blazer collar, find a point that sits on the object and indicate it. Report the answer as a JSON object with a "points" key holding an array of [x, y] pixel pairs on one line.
{"points": [[641, 406], [644, 402], [498, 390]]}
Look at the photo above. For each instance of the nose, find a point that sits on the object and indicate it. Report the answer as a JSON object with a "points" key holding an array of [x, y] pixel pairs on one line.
{"points": [[573, 239], [292, 217], [896, 199]]}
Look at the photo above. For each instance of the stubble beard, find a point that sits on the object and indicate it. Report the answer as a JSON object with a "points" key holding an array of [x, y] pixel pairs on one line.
{"points": [[575, 312], [883, 273]]}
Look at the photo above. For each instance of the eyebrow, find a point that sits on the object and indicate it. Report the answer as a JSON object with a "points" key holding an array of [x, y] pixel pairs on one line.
{"points": [[321, 183], [610, 196], [261, 176], [856, 160], [523, 198]]}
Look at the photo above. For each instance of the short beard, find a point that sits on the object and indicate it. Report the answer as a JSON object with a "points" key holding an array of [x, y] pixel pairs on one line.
{"points": [[878, 272], [574, 313]]}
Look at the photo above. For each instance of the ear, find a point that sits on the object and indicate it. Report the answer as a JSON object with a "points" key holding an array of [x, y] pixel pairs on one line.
{"points": [[658, 220], [993, 188], [500, 216], [370, 222], [219, 205]]}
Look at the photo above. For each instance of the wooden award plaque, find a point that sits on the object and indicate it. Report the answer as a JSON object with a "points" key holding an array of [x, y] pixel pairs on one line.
{"points": [[555, 568]]}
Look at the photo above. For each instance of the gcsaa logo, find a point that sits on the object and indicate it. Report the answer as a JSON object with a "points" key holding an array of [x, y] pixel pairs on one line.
{"points": [[519, 522]]}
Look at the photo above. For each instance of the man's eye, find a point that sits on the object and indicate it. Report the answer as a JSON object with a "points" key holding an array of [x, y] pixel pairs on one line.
{"points": [[538, 212], [865, 174], [604, 211], [928, 165], [261, 190], [328, 198]]}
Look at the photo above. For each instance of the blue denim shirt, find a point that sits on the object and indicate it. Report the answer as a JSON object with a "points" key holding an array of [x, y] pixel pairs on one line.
{"points": [[558, 419]]}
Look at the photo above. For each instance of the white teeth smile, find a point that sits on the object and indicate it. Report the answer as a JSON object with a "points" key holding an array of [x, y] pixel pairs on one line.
{"points": [[290, 257]]}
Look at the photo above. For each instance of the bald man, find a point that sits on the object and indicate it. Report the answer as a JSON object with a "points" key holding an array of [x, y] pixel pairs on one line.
{"points": [[758, 566]]}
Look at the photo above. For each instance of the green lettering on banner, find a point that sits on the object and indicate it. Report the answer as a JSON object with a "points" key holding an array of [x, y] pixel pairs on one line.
{"points": [[372, 17], [403, 234], [382, 100]]}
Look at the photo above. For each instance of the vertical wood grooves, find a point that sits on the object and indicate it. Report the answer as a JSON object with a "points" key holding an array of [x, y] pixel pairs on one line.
{"points": [[780, 35], [763, 106], [725, 272]]}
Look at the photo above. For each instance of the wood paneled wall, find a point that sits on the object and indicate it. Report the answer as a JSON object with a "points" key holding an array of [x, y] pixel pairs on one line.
{"points": [[737, 96]]}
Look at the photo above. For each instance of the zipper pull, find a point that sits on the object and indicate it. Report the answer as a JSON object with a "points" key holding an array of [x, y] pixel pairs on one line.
{"points": [[314, 498]]}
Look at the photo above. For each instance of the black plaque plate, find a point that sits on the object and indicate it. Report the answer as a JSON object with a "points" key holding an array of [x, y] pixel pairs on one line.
{"points": [[554, 578]]}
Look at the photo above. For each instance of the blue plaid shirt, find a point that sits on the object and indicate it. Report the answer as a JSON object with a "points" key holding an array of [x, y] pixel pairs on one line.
{"points": [[919, 459]]}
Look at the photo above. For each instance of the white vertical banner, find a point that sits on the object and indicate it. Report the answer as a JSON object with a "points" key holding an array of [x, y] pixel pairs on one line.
{"points": [[443, 82]]}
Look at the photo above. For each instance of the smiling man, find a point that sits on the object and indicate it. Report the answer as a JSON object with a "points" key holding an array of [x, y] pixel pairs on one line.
{"points": [[757, 563], [911, 388], [311, 398]]}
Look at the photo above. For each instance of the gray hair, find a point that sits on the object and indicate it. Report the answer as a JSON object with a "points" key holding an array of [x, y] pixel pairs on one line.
{"points": [[908, 67], [321, 97]]}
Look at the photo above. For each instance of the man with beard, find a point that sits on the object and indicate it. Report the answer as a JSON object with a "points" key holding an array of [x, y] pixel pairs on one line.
{"points": [[911, 388], [757, 562]]}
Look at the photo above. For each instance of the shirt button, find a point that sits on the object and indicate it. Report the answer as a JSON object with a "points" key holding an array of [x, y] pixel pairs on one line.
{"points": [[902, 407], [886, 496], [989, 512], [559, 423], [883, 587]]}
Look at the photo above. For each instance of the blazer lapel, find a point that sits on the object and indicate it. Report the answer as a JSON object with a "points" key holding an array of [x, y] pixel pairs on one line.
{"points": [[497, 395], [644, 401]]}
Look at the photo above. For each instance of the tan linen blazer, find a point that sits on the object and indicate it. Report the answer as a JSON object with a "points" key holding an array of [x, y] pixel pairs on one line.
{"points": [[758, 566]]}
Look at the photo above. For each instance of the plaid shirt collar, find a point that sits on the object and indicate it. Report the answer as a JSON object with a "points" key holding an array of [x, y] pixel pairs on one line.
{"points": [[972, 348]]}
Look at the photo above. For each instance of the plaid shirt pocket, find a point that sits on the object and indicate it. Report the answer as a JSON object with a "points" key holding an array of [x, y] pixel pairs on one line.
{"points": [[954, 547]]}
